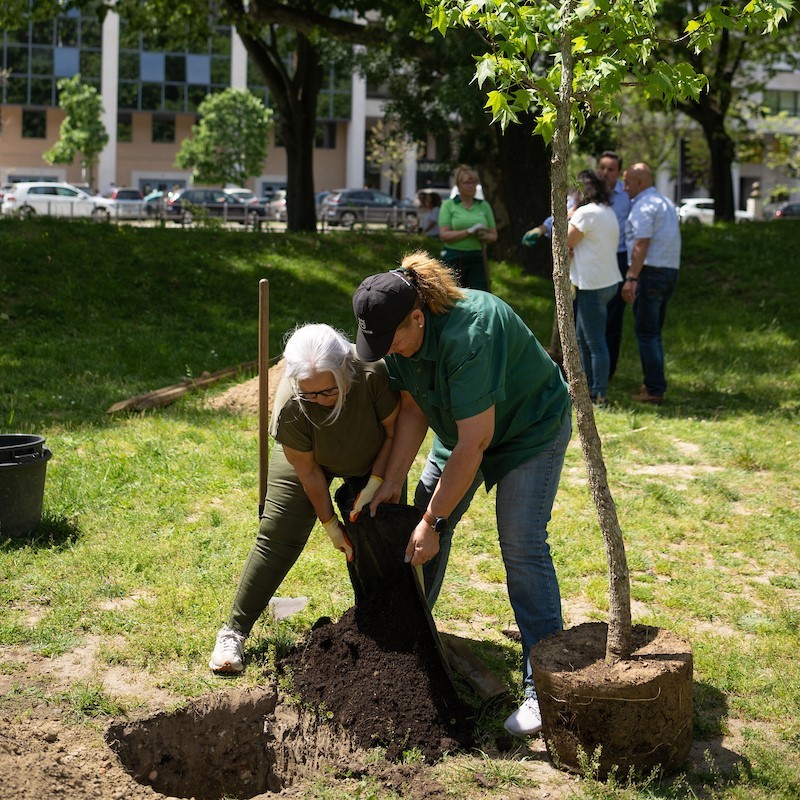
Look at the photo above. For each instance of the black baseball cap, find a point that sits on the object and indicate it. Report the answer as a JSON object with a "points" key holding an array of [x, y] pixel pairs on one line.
{"points": [[380, 304]]}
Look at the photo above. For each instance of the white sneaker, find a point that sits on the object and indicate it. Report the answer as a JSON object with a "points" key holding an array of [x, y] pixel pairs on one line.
{"points": [[526, 720], [228, 655]]}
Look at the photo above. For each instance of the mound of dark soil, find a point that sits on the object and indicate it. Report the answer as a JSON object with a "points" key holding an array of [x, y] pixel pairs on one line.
{"points": [[379, 672]]}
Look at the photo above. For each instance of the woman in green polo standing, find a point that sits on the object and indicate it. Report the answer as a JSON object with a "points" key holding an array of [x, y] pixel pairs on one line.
{"points": [[466, 227], [333, 417]]}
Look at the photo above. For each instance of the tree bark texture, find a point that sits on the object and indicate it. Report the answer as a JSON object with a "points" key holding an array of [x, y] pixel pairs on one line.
{"points": [[618, 645]]}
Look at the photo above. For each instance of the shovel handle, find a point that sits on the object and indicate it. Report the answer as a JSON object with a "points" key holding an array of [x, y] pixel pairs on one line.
{"points": [[263, 392]]}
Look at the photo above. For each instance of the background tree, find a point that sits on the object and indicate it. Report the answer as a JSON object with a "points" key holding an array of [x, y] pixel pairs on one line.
{"points": [[82, 131], [229, 143], [387, 146], [735, 62], [596, 47]]}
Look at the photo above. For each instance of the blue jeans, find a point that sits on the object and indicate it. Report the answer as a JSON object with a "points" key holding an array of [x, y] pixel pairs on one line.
{"points": [[616, 317], [523, 507], [655, 287], [590, 324]]}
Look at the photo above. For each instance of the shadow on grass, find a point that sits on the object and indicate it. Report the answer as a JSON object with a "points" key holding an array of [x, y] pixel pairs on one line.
{"points": [[52, 531], [708, 405]]}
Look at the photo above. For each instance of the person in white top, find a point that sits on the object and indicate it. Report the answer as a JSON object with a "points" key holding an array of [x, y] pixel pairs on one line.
{"points": [[593, 237]]}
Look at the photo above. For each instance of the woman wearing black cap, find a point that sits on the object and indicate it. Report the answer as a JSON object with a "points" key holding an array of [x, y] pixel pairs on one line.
{"points": [[469, 368]]}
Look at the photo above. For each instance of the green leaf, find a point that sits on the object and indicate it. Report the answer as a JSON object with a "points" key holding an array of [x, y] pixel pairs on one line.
{"points": [[485, 70]]}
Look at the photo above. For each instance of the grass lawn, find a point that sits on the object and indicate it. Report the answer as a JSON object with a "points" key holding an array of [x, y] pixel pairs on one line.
{"points": [[148, 516]]}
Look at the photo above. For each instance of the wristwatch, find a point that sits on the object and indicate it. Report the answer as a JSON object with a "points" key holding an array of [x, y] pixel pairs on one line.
{"points": [[439, 524]]}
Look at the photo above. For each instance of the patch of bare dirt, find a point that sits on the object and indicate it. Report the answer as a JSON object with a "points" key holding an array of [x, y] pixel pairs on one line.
{"points": [[243, 397]]}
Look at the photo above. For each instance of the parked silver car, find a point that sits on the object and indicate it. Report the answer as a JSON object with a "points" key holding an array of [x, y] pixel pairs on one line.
{"points": [[54, 199], [128, 203]]}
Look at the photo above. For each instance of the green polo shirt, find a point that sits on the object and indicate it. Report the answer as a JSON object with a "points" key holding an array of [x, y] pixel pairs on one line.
{"points": [[477, 355], [346, 448], [454, 215]]}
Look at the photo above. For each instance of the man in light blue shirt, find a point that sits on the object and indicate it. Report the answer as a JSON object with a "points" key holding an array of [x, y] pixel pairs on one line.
{"points": [[653, 239]]}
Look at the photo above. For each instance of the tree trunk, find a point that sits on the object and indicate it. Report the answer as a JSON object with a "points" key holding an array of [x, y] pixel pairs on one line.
{"points": [[618, 645], [723, 152], [295, 96], [522, 198]]}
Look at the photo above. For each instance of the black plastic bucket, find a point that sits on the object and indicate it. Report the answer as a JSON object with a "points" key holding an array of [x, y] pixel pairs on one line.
{"points": [[23, 464]]}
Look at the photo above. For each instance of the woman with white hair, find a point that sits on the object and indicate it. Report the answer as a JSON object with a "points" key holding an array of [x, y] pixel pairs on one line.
{"points": [[333, 417]]}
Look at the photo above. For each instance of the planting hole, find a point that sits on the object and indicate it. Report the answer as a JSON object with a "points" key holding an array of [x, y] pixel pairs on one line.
{"points": [[239, 744]]}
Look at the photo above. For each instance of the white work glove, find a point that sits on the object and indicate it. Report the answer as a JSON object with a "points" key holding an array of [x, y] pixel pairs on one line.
{"points": [[478, 226], [364, 497], [336, 533]]}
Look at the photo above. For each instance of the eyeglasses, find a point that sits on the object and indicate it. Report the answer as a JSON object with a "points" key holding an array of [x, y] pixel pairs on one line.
{"points": [[332, 392]]}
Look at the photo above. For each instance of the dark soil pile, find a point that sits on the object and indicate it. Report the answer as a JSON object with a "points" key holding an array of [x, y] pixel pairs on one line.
{"points": [[385, 694], [379, 672]]}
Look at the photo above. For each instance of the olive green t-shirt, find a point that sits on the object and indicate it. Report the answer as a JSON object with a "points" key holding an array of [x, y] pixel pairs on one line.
{"points": [[348, 447], [477, 355]]}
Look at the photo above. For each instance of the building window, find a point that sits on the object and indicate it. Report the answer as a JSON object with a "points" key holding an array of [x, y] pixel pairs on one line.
{"points": [[175, 97], [334, 99], [154, 78], [91, 62], [17, 91], [41, 60], [42, 52], [67, 31], [163, 129], [129, 66], [175, 69], [782, 102], [151, 96], [198, 69], [17, 60], [326, 136], [124, 127], [151, 67], [34, 124], [43, 92], [67, 61]]}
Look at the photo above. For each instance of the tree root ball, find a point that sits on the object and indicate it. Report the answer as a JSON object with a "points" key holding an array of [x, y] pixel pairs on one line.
{"points": [[638, 712]]}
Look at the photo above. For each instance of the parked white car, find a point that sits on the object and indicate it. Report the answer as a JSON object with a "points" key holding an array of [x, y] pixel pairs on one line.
{"points": [[245, 195], [55, 199], [695, 210]]}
